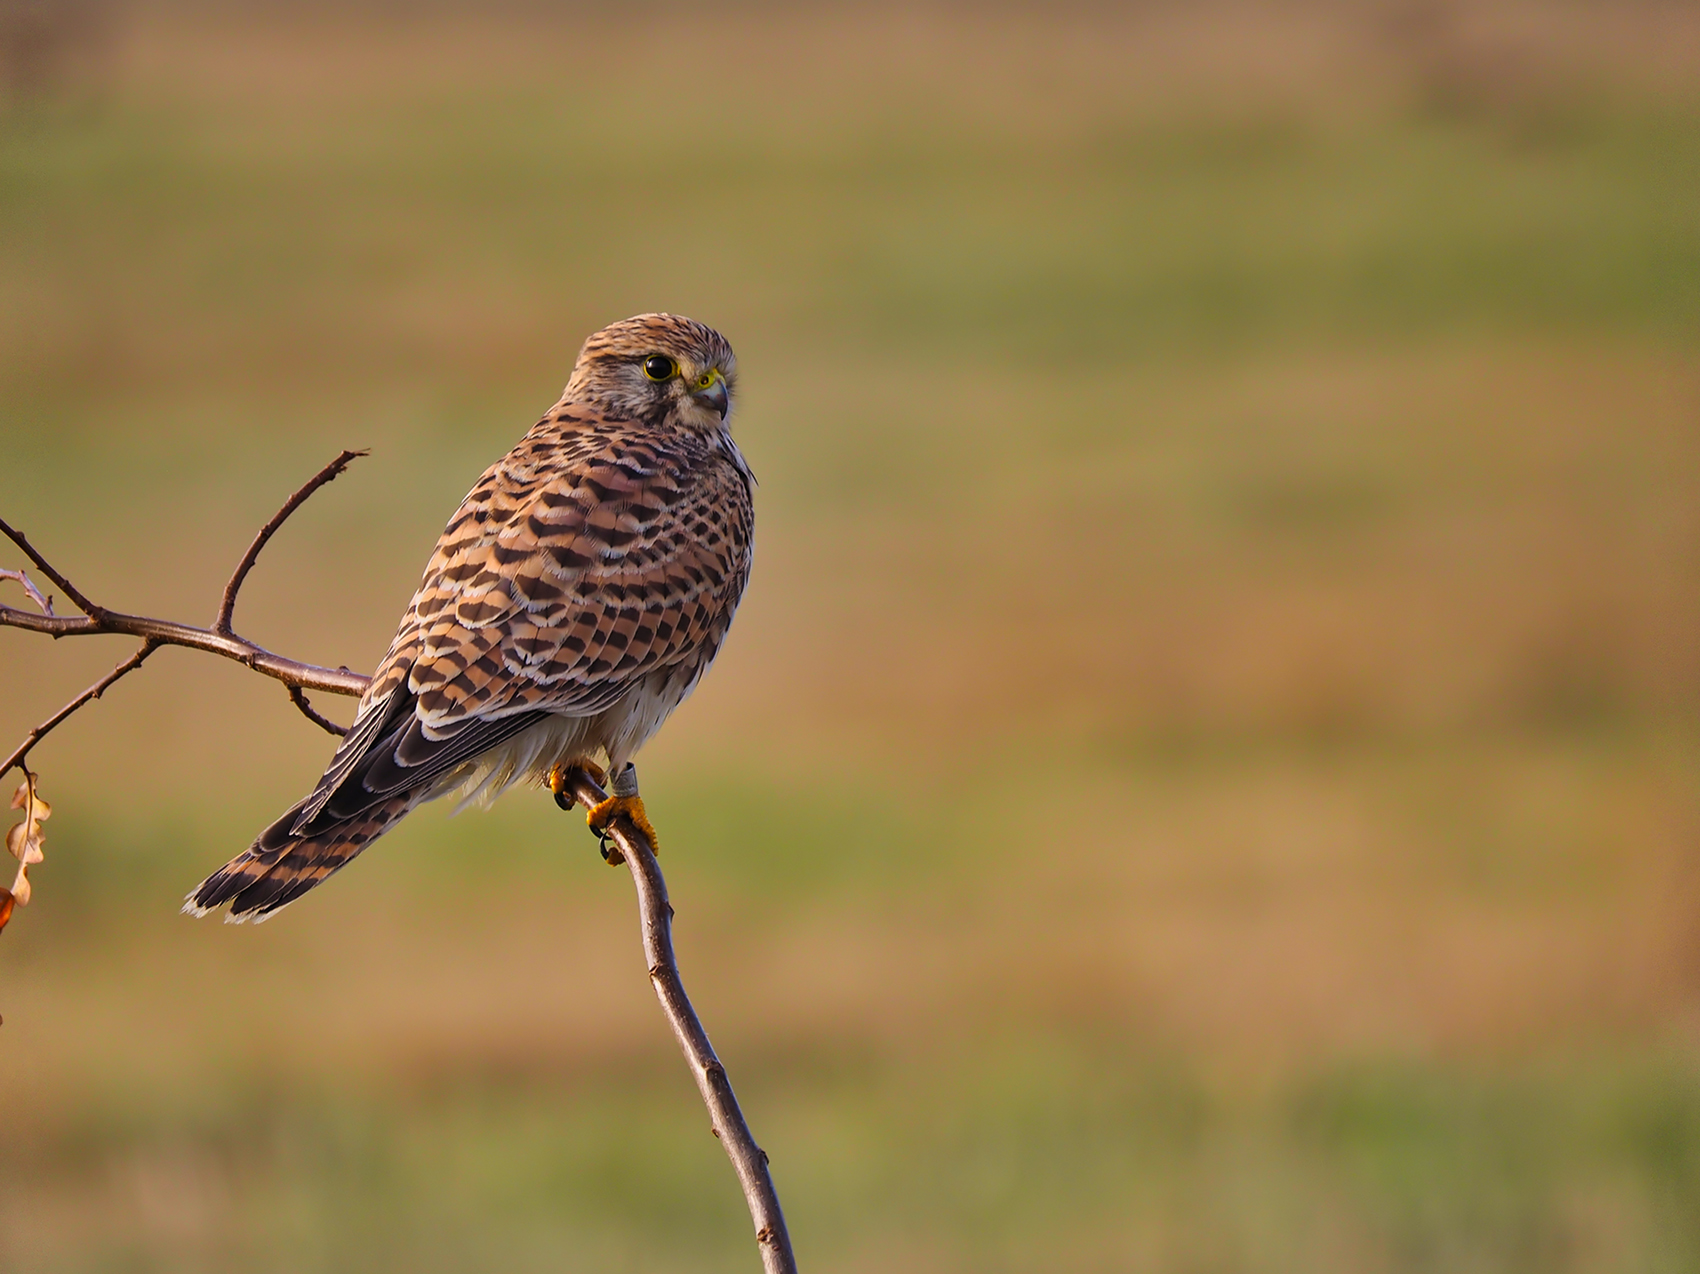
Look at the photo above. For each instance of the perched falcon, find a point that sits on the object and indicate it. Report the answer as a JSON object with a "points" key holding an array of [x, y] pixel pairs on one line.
{"points": [[573, 601]]}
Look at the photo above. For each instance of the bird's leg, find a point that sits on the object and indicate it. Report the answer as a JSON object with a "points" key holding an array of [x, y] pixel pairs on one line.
{"points": [[561, 785], [624, 800]]}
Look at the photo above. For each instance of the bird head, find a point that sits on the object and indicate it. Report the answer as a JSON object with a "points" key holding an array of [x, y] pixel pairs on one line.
{"points": [[659, 367]]}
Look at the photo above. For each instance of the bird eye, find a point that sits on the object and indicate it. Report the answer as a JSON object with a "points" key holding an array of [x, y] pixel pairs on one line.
{"points": [[660, 367]]}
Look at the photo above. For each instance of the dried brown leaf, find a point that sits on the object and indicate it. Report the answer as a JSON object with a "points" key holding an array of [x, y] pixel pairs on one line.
{"points": [[24, 843], [25, 847]]}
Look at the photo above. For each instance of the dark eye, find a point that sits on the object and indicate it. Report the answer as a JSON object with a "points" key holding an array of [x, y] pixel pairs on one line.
{"points": [[660, 367]]}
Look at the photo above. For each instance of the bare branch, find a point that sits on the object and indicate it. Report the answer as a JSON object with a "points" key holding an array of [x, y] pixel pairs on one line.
{"points": [[46, 603], [655, 914], [217, 640], [227, 604], [165, 632], [154, 633], [41, 731], [46, 568], [324, 723]]}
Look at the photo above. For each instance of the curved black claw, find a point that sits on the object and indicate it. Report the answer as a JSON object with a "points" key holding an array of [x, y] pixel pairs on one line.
{"points": [[560, 779]]}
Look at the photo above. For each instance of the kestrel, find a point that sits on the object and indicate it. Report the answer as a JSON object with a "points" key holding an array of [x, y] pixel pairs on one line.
{"points": [[575, 598]]}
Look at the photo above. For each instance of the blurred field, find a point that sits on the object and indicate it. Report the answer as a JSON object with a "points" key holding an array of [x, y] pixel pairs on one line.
{"points": [[1205, 778]]}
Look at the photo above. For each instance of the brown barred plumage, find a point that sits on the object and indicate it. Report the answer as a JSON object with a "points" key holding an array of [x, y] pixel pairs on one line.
{"points": [[574, 599]]}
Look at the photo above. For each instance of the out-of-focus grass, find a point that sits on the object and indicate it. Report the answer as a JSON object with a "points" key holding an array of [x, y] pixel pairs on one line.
{"points": [[1036, 1157], [1204, 775]]}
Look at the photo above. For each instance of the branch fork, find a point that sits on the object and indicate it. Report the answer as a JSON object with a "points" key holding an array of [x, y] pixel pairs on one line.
{"points": [[655, 913], [220, 639]]}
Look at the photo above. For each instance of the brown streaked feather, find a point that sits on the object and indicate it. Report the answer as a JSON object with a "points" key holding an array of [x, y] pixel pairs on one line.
{"points": [[628, 548], [606, 551], [260, 880]]}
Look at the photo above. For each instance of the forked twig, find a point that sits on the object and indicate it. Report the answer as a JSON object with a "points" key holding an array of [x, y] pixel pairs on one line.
{"points": [[22, 577], [227, 603], [166, 632], [46, 568], [219, 639], [655, 914]]}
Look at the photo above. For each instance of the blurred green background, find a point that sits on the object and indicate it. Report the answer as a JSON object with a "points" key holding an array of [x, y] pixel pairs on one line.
{"points": [[1205, 778]]}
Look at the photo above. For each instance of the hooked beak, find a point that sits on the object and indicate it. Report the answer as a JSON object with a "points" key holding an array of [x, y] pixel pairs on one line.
{"points": [[714, 395]]}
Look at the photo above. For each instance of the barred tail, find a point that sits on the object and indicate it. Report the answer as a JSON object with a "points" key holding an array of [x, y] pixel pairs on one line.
{"points": [[281, 865]]}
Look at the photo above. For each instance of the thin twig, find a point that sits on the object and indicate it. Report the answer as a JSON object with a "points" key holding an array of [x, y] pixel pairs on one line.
{"points": [[165, 632], [46, 568], [227, 604], [217, 640], [41, 731], [46, 603], [324, 723], [656, 916], [654, 911]]}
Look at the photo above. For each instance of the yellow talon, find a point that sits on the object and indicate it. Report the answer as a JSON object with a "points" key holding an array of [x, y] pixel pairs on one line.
{"points": [[560, 777], [560, 782], [604, 812]]}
